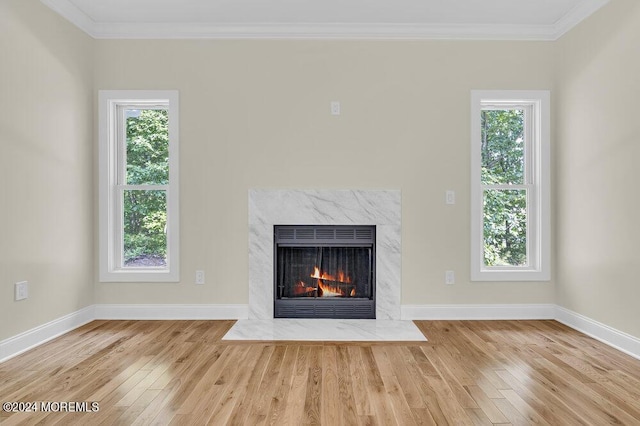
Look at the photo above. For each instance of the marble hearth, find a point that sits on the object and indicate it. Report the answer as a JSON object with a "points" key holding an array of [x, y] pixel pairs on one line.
{"points": [[325, 207]]}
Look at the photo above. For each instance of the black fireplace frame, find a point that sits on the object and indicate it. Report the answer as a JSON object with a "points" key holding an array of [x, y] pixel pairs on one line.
{"points": [[325, 236]]}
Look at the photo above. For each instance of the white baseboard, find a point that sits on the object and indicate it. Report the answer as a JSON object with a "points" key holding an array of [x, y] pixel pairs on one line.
{"points": [[617, 339], [477, 312], [18, 344], [36, 336], [171, 312]]}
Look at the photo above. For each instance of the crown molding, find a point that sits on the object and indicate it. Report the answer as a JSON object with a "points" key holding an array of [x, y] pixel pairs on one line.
{"points": [[71, 13], [578, 14], [324, 31]]}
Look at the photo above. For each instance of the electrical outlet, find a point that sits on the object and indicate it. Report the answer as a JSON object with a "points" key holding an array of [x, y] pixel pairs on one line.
{"points": [[22, 290], [199, 277], [335, 107], [450, 197], [449, 277]]}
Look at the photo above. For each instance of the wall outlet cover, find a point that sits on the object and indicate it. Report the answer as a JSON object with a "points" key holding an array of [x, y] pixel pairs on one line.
{"points": [[22, 290]]}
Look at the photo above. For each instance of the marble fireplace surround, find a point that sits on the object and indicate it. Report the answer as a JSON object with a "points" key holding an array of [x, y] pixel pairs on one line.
{"points": [[325, 207]]}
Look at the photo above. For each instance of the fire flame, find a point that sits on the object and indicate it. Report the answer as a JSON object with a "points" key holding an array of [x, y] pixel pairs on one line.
{"points": [[341, 278], [328, 290], [301, 289]]}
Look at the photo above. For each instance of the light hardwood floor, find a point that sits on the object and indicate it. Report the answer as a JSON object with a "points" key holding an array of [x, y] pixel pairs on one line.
{"points": [[469, 372]]}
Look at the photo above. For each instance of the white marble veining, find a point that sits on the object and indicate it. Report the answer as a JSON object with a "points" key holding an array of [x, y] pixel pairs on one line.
{"points": [[325, 330], [325, 207]]}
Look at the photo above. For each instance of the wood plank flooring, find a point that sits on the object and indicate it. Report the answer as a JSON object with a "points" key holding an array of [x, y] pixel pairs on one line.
{"points": [[182, 373]]}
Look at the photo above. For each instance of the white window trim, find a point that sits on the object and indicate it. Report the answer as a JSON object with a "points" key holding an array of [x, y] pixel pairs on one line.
{"points": [[538, 203], [109, 222]]}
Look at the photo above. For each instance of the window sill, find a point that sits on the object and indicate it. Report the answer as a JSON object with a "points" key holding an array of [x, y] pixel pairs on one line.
{"points": [[149, 275], [511, 275]]}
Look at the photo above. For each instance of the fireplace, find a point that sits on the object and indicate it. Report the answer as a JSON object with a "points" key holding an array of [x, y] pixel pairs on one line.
{"points": [[379, 208], [324, 271]]}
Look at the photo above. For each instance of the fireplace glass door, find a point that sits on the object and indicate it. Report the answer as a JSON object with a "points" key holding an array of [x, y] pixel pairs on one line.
{"points": [[343, 272], [324, 271]]}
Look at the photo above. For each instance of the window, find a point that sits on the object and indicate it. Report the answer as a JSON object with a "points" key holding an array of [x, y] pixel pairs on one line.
{"points": [[510, 238], [138, 186]]}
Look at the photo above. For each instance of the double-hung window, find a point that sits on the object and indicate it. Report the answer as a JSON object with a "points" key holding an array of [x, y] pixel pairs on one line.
{"points": [[510, 238], [138, 186]]}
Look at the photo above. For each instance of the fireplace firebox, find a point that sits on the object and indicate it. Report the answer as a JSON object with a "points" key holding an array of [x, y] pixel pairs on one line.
{"points": [[323, 271]]}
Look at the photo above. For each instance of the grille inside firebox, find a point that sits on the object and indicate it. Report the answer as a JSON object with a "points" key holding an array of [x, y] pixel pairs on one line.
{"points": [[324, 271]]}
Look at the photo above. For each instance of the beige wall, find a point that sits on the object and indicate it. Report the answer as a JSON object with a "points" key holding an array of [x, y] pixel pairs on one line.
{"points": [[46, 175], [597, 159], [255, 114]]}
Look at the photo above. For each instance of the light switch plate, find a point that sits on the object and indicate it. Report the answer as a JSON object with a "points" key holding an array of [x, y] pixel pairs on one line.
{"points": [[450, 197]]}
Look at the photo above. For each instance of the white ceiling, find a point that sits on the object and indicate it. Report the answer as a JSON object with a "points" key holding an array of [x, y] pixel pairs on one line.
{"points": [[329, 19]]}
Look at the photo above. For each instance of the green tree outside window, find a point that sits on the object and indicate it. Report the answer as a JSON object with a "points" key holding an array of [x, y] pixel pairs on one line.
{"points": [[505, 209], [145, 211]]}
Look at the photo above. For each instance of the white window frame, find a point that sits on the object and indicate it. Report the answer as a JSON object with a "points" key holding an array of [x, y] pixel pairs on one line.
{"points": [[537, 183], [110, 209]]}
